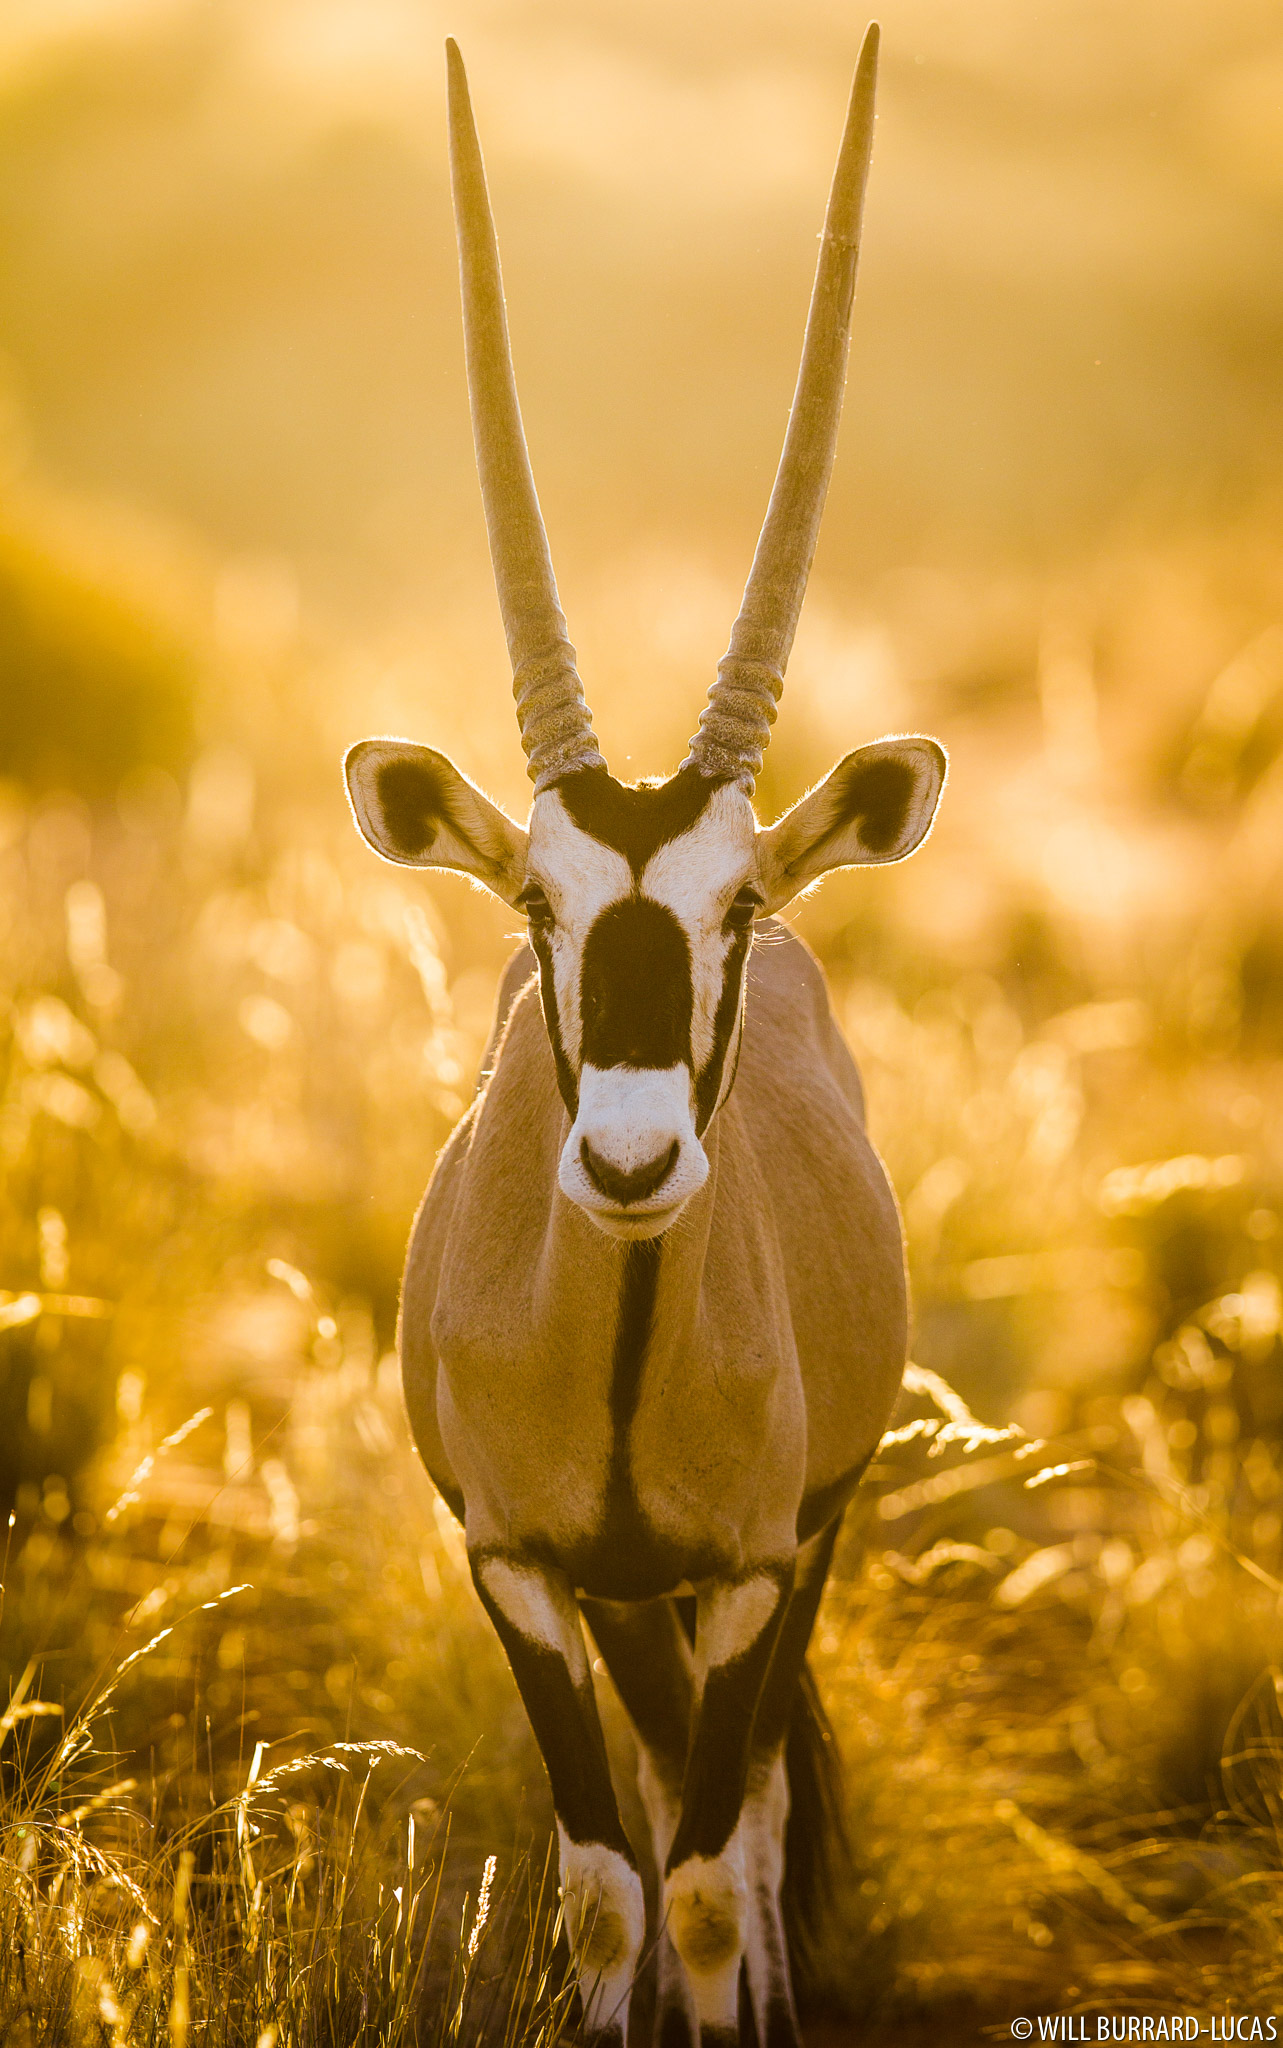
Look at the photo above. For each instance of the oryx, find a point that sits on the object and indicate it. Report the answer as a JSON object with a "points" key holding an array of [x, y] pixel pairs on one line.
{"points": [[654, 1310]]}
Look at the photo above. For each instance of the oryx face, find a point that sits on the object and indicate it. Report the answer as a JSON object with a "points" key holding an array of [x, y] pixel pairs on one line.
{"points": [[640, 905]]}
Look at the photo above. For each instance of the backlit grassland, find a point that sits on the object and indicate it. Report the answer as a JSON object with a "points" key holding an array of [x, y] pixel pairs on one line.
{"points": [[260, 1758], [261, 1743]]}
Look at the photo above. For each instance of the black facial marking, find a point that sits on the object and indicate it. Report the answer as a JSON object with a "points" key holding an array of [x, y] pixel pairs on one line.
{"points": [[635, 992], [541, 946], [708, 1086], [636, 822], [412, 800], [879, 794]]}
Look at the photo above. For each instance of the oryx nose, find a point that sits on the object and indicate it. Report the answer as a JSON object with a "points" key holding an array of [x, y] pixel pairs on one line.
{"points": [[618, 1186]]}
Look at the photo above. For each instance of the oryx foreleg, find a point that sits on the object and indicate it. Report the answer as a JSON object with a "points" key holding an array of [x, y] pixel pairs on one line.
{"points": [[766, 1803], [706, 1899], [646, 1652], [536, 1617]]}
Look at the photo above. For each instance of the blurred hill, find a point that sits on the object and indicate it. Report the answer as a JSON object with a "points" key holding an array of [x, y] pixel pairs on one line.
{"points": [[229, 288]]}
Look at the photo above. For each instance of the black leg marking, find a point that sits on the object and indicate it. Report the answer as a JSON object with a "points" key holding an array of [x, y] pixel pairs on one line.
{"points": [[706, 1900], [781, 2025], [535, 1616], [717, 1768], [747, 2028], [647, 1653], [645, 1650], [557, 1693], [776, 1703], [675, 2029], [828, 1503]]}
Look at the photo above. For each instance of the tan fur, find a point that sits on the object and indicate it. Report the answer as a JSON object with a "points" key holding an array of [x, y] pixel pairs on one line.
{"points": [[779, 1335]]}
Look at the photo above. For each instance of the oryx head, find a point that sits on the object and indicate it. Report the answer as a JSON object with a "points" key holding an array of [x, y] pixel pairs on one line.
{"points": [[640, 901]]}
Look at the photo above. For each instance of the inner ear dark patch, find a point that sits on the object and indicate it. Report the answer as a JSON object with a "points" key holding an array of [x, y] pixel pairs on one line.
{"points": [[879, 795], [412, 802]]}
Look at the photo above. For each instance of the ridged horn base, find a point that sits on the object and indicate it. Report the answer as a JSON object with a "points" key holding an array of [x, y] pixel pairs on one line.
{"points": [[735, 724]]}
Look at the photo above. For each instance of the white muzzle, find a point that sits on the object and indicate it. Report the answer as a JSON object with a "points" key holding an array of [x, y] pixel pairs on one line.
{"points": [[632, 1159]]}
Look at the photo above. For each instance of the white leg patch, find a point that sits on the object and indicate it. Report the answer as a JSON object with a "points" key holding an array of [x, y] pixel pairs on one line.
{"points": [[732, 1618], [524, 1597], [706, 1914], [761, 1833], [605, 1926]]}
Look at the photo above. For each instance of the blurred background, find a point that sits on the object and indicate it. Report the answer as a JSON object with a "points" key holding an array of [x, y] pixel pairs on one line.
{"points": [[239, 528]]}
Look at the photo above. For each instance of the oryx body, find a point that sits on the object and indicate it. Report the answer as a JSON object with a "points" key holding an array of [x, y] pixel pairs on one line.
{"points": [[660, 1413], [654, 1311]]}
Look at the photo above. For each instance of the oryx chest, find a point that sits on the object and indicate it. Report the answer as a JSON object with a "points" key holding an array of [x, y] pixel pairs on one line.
{"points": [[641, 1430]]}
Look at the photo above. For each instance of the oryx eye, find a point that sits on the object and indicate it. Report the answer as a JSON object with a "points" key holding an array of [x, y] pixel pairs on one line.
{"points": [[743, 910], [538, 910]]}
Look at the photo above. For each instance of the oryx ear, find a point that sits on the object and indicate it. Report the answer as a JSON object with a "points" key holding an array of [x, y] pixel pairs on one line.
{"points": [[874, 807], [413, 806]]}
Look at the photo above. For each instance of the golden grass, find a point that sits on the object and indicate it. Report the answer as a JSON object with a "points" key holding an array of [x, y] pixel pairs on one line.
{"points": [[261, 1749]]}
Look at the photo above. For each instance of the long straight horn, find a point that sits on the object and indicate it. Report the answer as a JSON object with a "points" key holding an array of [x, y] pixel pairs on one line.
{"points": [[735, 725], [556, 726]]}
